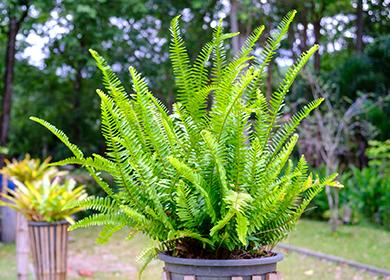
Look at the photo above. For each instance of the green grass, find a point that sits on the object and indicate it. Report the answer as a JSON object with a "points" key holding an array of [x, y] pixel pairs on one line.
{"points": [[116, 259], [364, 244], [7, 262]]}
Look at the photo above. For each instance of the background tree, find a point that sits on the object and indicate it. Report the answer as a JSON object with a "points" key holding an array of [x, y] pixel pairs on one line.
{"points": [[11, 22], [54, 78]]}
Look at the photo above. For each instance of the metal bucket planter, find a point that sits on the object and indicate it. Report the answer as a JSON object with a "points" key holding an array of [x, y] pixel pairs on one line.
{"points": [[201, 269], [49, 249], [8, 224]]}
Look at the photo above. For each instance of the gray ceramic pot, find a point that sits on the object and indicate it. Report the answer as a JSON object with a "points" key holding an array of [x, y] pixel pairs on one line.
{"points": [[202, 269]]}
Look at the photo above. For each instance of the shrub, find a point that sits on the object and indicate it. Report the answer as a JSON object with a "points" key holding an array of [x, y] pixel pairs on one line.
{"points": [[368, 194], [368, 191]]}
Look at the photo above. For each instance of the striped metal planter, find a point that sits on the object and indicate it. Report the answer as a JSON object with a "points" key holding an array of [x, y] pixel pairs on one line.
{"points": [[202, 269], [49, 249]]}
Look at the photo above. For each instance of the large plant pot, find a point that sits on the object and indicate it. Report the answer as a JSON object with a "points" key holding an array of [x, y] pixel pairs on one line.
{"points": [[201, 269], [49, 249]]}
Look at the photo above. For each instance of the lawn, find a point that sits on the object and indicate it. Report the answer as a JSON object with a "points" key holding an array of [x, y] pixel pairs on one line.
{"points": [[364, 244], [116, 259]]}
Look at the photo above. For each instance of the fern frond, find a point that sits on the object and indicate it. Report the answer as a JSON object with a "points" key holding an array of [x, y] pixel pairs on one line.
{"points": [[102, 204], [100, 220], [217, 155], [180, 63], [197, 180], [145, 257], [60, 135], [250, 42], [187, 206], [106, 233], [242, 228], [274, 40], [287, 129], [278, 96], [111, 82]]}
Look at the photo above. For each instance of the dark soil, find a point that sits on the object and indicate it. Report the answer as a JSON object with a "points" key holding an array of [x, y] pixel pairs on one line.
{"points": [[193, 249]]}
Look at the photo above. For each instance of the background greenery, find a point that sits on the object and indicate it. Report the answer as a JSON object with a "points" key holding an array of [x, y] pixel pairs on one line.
{"points": [[351, 70]]}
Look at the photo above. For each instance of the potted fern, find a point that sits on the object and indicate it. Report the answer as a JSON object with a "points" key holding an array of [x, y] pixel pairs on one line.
{"points": [[40, 195], [213, 186]]}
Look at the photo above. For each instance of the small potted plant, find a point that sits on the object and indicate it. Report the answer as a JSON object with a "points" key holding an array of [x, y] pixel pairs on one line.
{"points": [[40, 195], [212, 182]]}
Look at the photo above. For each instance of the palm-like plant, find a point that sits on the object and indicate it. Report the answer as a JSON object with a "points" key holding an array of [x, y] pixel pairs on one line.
{"points": [[44, 200], [41, 191], [201, 181], [29, 169]]}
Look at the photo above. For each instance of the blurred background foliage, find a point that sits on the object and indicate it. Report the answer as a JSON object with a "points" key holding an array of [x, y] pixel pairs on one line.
{"points": [[53, 77]]}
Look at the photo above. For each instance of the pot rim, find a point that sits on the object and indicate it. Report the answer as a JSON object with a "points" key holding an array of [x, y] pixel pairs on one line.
{"points": [[221, 262], [42, 223]]}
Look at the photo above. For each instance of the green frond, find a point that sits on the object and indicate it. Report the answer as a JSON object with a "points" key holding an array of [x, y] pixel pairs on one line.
{"points": [[111, 82], [106, 232], [219, 122], [67, 161], [227, 80], [223, 222], [219, 55], [145, 257], [136, 218], [238, 201], [188, 173], [100, 220], [180, 62], [180, 234], [274, 40], [187, 206], [242, 228], [250, 42], [278, 96], [218, 157], [282, 157], [100, 204], [287, 129], [199, 71], [60, 135]]}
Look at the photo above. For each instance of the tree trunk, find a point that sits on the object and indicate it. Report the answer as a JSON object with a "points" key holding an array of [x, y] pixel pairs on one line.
{"points": [[291, 41], [303, 44], [359, 26], [334, 219], [234, 26], [13, 29], [317, 36], [77, 86]]}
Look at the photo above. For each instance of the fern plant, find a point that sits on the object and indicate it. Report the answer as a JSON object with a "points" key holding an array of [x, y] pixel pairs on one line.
{"points": [[206, 180]]}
